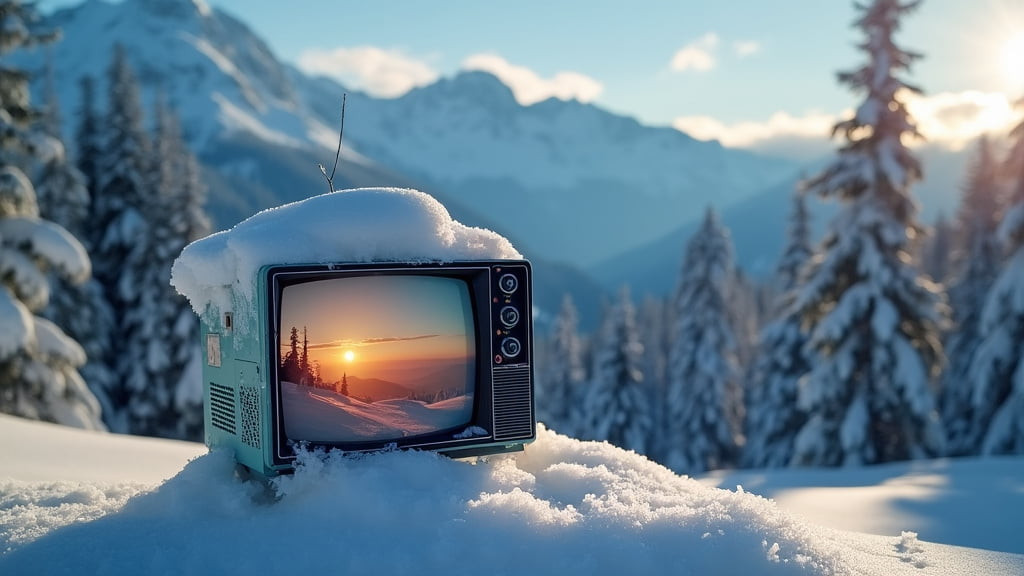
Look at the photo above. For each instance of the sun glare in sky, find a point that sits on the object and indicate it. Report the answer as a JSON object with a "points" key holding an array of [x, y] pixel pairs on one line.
{"points": [[1013, 59], [348, 356]]}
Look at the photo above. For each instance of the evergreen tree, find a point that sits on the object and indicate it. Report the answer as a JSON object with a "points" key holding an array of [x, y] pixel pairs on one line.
{"points": [[616, 402], [144, 367], [78, 307], [88, 145], [997, 372], [184, 195], [290, 362], [175, 218], [937, 250], [118, 228], [38, 361], [797, 253], [654, 328], [977, 267], [60, 187], [704, 410], [558, 387], [773, 418], [874, 319], [744, 315], [304, 357]]}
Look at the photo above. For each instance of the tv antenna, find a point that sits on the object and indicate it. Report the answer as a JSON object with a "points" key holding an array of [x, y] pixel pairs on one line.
{"points": [[337, 156]]}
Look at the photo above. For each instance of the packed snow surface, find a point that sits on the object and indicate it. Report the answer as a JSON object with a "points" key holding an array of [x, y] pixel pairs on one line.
{"points": [[79, 502], [362, 225]]}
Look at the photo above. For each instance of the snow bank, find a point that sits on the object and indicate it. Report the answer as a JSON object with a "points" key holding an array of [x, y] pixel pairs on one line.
{"points": [[562, 507], [362, 225]]}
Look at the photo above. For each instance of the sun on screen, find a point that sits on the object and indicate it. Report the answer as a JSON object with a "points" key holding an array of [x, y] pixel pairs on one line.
{"points": [[348, 356]]}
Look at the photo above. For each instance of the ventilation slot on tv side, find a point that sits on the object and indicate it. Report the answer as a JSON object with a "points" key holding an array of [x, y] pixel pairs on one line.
{"points": [[250, 415], [513, 417], [222, 407]]}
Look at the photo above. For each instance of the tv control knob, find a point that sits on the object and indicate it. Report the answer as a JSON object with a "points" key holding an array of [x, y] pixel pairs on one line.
{"points": [[509, 316], [508, 283], [511, 347]]}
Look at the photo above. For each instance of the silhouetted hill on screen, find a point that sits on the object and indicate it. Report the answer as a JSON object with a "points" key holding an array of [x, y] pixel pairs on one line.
{"points": [[440, 378], [374, 389]]}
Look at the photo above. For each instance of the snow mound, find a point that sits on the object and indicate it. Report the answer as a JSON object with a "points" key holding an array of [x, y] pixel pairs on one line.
{"points": [[361, 225], [562, 507], [78, 502]]}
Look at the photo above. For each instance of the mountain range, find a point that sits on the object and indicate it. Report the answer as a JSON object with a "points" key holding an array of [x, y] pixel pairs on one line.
{"points": [[595, 199]]}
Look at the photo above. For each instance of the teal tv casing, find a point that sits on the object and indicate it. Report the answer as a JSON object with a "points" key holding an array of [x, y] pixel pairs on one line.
{"points": [[241, 391]]}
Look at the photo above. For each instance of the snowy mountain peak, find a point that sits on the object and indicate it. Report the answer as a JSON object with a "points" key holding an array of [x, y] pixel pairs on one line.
{"points": [[176, 9], [477, 95], [474, 84], [213, 69]]}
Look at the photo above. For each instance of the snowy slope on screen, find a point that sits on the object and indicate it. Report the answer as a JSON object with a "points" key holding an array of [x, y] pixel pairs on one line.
{"points": [[362, 225]]}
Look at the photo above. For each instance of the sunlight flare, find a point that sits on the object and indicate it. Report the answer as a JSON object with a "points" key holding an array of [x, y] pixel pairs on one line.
{"points": [[1013, 60]]}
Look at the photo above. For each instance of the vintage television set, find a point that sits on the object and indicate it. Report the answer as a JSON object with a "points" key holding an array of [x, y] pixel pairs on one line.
{"points": [[372, 356]]}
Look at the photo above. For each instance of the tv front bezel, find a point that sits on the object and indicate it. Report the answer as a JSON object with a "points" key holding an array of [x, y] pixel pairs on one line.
{"points": [[477, 276]]}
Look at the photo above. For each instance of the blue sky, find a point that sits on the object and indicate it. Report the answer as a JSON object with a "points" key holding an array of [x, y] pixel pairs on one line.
{"points": [[743, 71]]}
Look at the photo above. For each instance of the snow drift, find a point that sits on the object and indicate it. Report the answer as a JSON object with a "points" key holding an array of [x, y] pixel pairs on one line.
{"points": [[79, 502]]}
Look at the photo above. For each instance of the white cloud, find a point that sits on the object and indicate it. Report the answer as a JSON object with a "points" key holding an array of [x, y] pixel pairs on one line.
{"points": [[746, 48], [954, 119], [796, 136], [949, 120], [385, 73], [697, 55], [529, 87]]}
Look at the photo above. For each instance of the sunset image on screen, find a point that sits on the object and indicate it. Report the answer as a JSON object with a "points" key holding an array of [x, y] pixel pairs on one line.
{"points": [[375, 357]]}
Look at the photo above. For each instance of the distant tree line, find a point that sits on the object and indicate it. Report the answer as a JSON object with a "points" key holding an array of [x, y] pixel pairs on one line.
{"points": [[860, 356]]}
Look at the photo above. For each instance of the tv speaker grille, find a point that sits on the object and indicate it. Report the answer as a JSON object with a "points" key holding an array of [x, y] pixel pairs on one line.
{"points": [[222, 407], [513, 403], [250, 415]]}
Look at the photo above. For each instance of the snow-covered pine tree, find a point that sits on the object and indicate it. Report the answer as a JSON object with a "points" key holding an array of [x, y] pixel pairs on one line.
{"points": [[79, 308], [937, 250], [704, 403], [654, 329], [38, 361], [874, 318], [977, 265], [617, 404], [997, 370], [189, 222], [745, 316], [773, 417], [118, 226], [88, 146], [558, 390], [796, 254], [162, 356]]}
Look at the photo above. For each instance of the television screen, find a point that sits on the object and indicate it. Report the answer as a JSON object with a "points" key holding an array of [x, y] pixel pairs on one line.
{"points": [[375, 357]]}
